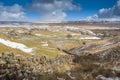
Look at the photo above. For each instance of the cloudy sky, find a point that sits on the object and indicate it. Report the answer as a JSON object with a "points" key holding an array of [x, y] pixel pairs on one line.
{"points": [[59, 10]]}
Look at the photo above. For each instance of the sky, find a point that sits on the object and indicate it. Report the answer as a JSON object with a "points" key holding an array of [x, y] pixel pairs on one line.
{"points": [[59, 10]]}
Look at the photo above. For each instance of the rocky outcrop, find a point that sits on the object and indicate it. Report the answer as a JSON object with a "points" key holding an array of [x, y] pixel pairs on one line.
{"points": [[18, 67], [17, 32], [107, 46], [107, 33], [110, 54]]}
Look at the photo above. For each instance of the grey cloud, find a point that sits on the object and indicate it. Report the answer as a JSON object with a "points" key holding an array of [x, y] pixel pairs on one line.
{"points": [[107, 14], [53, 10]]}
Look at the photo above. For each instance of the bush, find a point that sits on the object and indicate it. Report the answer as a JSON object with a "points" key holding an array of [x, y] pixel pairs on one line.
{"points": [[69, 36]]}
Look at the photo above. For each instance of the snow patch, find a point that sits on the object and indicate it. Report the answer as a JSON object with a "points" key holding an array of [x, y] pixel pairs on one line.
{"points": [[39, 34], [42, 35], [75, 34], [104, 78], [15, 45], [72, 28], [45, 44], [91, 38]]}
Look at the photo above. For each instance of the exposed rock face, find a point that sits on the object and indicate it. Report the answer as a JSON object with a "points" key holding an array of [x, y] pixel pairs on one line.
{"points": [[79, 30], [18, 32], [107, 33], [112, 53], [108, 46]]}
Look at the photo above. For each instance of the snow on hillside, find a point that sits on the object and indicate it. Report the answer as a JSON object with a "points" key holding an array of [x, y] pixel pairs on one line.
{"points": [[91, 38], [45, 44], [104, 78], [15, 45]]}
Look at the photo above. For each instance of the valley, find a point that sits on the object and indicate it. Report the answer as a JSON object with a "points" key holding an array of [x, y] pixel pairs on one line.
{"points": [[68, 50]]}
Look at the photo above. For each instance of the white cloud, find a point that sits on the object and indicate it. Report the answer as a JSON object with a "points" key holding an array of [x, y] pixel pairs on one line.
{"points": [[57, 15], [53, 10], [110, 14], [14, 12]]}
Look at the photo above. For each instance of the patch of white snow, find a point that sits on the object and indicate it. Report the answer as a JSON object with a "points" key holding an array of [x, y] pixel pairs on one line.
{"points": [[15, 45], [90, 38], [45, 44], [104, 78], [42, 35]]}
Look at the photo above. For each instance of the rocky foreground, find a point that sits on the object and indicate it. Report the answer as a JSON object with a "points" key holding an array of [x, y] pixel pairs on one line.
{"points": [[18, 67], [84, 67]]}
